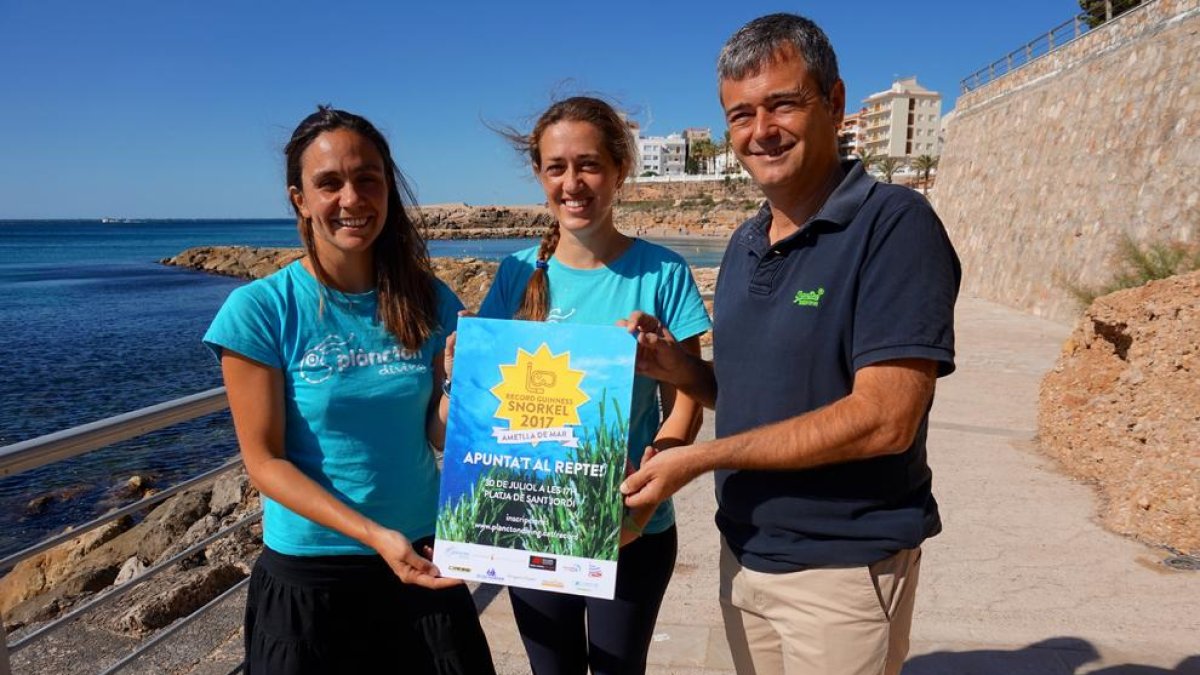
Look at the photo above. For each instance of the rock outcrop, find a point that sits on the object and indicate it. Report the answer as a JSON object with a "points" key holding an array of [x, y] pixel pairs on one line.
{"points": [[42, 587], [470, 278], [459, 221], [243, 262], [1122, 409]]}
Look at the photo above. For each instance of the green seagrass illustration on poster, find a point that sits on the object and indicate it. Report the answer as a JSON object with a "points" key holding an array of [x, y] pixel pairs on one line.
{"points": [[535, 451]]}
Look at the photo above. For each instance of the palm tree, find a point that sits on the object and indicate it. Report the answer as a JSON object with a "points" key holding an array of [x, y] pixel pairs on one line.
{"points": [[867, 157], [702, 151], [710, 157], [726, 148], [925, 164], [889, 166]]}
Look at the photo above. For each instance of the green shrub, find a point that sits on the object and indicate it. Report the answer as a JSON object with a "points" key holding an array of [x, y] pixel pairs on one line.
{"points": [[701, 202], [648, 204], [1140, 264]]}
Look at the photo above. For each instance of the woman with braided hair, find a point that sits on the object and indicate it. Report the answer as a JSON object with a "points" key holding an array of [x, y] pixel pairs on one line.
{"points": [[585, 271]]}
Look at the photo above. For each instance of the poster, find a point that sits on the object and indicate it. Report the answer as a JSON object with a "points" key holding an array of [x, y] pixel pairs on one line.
{"points": [[536, 445]]}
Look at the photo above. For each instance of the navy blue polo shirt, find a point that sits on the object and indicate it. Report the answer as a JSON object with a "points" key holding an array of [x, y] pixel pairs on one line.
{"points": [[871, 277]]}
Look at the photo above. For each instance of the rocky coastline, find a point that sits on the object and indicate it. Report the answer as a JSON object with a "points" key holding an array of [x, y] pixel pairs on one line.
{"points": [[665, 210], [470, 278]]}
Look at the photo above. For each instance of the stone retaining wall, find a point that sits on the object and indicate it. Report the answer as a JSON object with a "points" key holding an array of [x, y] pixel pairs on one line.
{"points": [[1046, 167]]}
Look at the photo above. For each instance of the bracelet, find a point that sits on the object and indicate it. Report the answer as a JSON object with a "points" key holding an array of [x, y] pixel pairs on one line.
{"points": [[446, 387], [630, 524]]}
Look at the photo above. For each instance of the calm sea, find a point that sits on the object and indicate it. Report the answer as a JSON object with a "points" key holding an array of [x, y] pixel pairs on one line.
{"points": [[93, 326]]}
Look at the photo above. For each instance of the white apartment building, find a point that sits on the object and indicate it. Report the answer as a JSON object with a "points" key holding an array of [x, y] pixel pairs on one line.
{"points": [[728, 165], [902, 122], [649, 155], [665, 157], [661, 155]]}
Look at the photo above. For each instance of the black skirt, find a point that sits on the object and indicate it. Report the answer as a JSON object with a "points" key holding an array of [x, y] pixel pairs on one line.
{"points": [[351, 614]]}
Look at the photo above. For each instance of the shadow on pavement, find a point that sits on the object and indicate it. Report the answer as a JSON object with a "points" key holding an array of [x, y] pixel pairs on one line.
{"points": [[484, 594], [1056, 656]]}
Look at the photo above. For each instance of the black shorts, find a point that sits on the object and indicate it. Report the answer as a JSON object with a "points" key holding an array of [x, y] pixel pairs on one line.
{"points": [[351, 614], [570, 634]]}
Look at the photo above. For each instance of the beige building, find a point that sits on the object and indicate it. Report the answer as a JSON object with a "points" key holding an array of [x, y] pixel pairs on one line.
{"points": [[903, 122], [690, 136], [850, 137]]}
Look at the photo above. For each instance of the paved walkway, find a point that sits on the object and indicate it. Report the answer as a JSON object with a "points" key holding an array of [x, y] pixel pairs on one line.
{"points": [[1022, 581]]}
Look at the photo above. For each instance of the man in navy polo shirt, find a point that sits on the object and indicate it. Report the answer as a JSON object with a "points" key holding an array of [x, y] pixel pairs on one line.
{"points": [[834, 315]]}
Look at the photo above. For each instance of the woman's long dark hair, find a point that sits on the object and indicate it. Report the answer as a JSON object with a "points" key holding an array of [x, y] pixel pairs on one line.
{"points": [[618, 142], [403, 275]]}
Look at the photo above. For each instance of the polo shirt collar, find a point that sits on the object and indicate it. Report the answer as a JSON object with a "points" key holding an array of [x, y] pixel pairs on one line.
{"points": [[839, 208]]}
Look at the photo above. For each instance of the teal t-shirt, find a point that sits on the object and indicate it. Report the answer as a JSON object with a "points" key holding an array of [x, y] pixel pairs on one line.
{"points": [[355, 403], [648, 277]]}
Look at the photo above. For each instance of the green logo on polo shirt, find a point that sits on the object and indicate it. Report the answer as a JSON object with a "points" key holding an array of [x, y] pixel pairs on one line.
{"points": [[809, 298]]}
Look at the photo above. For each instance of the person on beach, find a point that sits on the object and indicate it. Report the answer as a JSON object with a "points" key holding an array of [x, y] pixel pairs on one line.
{"points": [[584, 271], [834, 317], [333, 368]]}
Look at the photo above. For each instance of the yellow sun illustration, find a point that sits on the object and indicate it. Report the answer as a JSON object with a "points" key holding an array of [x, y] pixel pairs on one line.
{"points": [[540, 390]]}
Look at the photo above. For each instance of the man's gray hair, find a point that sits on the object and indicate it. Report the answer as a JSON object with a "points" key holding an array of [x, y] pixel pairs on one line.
{"points": [[758, 43]]}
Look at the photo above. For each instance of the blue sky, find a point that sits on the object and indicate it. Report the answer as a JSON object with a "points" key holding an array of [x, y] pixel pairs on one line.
{"points": [[158, 109]]}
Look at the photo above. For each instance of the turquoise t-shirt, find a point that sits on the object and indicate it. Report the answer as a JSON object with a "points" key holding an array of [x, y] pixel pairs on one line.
{"points": [[648, 277], [355, 403]]}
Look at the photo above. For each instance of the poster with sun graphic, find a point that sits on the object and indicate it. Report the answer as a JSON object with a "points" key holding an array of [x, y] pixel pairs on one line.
{"points": [[535, 451]]}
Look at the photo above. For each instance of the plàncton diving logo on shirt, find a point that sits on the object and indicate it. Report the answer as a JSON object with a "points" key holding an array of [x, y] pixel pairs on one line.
{"points": [[558, 315], [809, 298], [336, 354], [539, 396]]}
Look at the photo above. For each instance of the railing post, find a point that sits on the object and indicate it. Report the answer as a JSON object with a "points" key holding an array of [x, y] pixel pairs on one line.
{"points": [[5, 668], [1108, 10], [1028, 52], [1076, 26]]}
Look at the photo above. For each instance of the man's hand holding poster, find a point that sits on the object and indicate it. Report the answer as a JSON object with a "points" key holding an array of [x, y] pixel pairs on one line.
{"points": [[536, 446]]}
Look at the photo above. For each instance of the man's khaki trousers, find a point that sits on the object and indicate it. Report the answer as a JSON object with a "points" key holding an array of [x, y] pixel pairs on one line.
{"points": [[823, 621]]}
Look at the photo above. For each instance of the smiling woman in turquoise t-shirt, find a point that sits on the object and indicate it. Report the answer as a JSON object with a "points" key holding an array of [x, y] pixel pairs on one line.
{"points": [[330, 366], [585, 271]]}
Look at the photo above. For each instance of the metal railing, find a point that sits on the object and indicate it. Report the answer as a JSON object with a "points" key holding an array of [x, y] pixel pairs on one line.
{"points": [[76, 441], [1055, 38]]}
